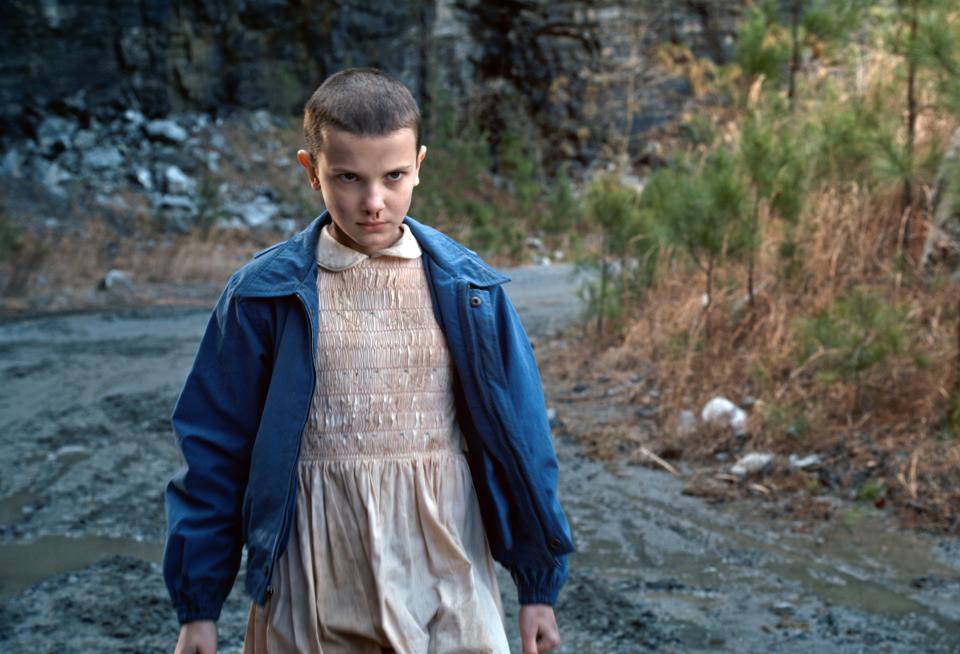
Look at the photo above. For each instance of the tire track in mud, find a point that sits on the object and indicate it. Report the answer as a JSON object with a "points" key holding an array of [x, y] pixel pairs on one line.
{"points": [[86, 448]]}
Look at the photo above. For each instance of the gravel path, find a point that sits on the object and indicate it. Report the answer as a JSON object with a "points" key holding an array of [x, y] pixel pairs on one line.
{"points": [[86, 448]]}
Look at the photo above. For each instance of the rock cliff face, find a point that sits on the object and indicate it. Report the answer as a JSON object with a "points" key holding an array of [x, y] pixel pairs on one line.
{"points": [[160, 56], [579, 70]]}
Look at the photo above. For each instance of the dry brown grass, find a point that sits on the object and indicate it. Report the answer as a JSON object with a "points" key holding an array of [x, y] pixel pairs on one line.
{"points": [[882, 431], [64, 269]]}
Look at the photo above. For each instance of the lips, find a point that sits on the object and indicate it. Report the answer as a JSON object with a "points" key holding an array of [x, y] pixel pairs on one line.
{"points": [[372, 227]]}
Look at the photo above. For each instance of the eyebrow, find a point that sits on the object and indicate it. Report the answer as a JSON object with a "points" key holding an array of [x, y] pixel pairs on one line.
{"points": [[337, 170]]}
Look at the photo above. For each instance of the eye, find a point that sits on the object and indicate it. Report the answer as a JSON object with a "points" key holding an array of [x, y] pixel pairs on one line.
{"points": [[346, 177], [395, 176]]}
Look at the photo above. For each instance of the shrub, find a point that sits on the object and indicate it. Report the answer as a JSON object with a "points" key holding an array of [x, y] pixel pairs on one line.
{"points": [[859, 332], [626, 258]]}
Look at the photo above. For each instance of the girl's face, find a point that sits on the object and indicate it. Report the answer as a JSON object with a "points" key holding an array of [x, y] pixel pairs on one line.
{"points": [[367, 184]]}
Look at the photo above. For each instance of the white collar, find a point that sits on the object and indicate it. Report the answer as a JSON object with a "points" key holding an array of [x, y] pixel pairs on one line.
{"points": [[334, 255]]}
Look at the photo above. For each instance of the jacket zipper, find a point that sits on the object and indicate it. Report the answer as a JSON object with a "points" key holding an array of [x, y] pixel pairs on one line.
{"points": [[293, 475]]}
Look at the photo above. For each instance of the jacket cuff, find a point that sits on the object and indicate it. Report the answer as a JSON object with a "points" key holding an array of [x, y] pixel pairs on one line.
{"points": [[540, 585], [193, 609]]}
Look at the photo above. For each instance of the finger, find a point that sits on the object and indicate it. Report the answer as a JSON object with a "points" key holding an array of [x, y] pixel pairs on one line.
{"points": [[528, 640], [548, 642]]}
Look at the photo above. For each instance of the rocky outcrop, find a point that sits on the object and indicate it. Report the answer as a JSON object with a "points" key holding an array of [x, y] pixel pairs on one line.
{"points": [[162, 56], [579, 70], [584, 72]]}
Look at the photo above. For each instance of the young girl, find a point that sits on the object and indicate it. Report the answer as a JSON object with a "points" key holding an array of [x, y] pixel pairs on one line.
{"points": [[365, 414]]}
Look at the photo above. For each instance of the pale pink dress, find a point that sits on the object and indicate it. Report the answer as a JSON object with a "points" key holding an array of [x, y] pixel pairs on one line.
{"points": [[388, 552]]}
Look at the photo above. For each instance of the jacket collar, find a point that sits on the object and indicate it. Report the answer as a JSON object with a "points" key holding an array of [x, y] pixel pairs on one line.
{"points": [[291, 265]]}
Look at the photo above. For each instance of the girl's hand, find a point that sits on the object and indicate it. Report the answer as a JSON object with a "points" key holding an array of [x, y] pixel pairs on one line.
{"points": [[538, 628], [197, 638]]}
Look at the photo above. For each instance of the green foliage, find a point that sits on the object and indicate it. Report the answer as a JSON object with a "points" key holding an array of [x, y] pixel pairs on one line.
{"points": [[759, 49], [492, 213], [870, 491], [860, 331], [937, 50], [775, 164], [789, 256], [950, 423], [454, 189], [210, 208], [846, 134], [701, 210], [832, 21], [520, 166], [564, 210], [626, 260], [789, 420], [11, 238], [699, 130]]}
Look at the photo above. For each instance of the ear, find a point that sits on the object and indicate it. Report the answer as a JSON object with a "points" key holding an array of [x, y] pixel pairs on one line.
{"points": [[420, 157], [306, 160]]}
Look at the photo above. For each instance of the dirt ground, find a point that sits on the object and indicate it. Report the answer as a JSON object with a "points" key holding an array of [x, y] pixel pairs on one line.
{"points": [[86, 449]]}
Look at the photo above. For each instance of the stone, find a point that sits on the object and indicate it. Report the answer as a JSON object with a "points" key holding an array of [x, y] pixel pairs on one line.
{"points": [[212, 159], [178, 182], [255, 212], [177, 202], [51, 176], [102, 158], [85, 139], [11, 164], [134, 117], [166, 130], [116, 279], [144, 178], [55, 134], [111, 201], [723, 411], [752, 463], [802, 463], [261, 121]]}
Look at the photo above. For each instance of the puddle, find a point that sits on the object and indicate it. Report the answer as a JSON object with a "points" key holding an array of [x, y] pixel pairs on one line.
{"points": [[24, 563], [12, 506]]}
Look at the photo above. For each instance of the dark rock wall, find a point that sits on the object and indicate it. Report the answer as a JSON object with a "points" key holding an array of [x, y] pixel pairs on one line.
{"points": [[162, 56], [579, 70]]}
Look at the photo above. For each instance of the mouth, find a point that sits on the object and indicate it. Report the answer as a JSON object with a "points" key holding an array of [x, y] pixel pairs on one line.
{"points": [[372, 227]]}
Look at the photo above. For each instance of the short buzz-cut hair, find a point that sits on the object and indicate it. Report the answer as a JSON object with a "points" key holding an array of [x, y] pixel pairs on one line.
{"points": [[359, 101]]}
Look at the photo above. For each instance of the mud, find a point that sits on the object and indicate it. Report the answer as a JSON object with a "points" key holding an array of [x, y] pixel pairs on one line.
{"points": [[86, 449]]}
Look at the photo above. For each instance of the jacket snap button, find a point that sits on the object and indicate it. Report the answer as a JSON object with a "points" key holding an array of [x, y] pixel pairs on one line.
{"points": [[554, 544], [475, 301]]}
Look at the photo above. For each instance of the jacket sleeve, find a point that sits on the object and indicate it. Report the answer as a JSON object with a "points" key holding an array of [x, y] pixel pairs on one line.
{"points": [[215, 421], [537, 583]]}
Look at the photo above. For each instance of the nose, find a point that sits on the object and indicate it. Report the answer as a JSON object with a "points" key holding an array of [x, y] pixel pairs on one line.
{"points": [[373, 200]]}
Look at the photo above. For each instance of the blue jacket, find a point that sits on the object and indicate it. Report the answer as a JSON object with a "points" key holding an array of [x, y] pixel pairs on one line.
{"points": [[242, 410]]}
